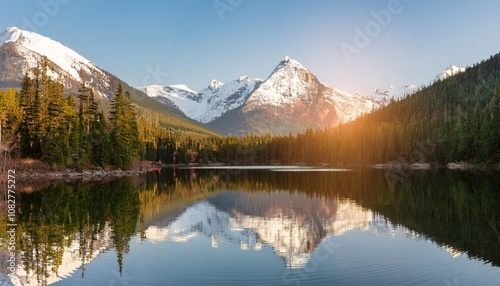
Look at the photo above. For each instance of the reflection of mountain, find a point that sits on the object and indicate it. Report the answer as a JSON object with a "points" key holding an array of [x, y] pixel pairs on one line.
{"points": [[467, 223], [292, 224]]}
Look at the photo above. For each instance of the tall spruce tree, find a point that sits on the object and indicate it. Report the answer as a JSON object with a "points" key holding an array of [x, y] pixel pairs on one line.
{"points": [[124, 135]]}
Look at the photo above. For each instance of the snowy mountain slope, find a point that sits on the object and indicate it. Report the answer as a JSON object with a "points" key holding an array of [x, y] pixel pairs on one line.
{"points": [[221, 98], [210, 103], [32, 47], [289, 82], [178, 96], [292, 99]]}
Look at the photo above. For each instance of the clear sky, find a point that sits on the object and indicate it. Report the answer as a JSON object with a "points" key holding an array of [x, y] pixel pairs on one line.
{"points": [[349, 45]]}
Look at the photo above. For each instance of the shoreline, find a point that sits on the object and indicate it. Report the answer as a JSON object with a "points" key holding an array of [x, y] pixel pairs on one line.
{"points": [[83, 174], [35, 170]]}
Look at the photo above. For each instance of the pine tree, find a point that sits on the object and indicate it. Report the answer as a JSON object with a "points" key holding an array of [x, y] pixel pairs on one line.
{"points": [[124, 134], [54, 139], [27, 126], [100, 140]]}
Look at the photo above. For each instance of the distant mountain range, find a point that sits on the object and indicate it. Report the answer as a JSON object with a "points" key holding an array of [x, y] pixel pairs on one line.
{"points": [[290, 100], [383, 96]]}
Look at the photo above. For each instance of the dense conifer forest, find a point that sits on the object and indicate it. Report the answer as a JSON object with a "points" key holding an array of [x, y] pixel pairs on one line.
{"points": [[457, 119]]}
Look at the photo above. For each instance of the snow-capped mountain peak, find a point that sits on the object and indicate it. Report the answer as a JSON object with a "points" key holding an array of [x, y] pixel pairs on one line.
{"points": [[383, 96], [64, 57], [153, 90], [10, 34], [451, 71], [289, 81], [215, 84], [244, 77], [292, 99], [32, 46], [289, 63]]}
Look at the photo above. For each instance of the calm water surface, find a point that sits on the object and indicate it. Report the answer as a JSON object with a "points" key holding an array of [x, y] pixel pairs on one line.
{"points": [[269, 226]]}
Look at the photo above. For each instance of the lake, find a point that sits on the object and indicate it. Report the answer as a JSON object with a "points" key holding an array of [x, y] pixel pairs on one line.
{"points": [[263, 226]]}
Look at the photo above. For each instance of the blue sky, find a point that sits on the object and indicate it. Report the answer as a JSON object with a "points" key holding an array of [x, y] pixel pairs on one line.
{"points": [[195, 41]]}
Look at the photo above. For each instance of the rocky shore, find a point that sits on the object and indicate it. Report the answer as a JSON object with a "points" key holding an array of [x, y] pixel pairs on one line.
{"points": [[84, 174], [30, 170]]}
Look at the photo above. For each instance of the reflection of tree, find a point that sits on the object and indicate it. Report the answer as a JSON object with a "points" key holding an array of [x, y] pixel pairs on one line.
{"points": [[172, 190], [47, 223], [50, 220], [453, 209], [124, 215]]}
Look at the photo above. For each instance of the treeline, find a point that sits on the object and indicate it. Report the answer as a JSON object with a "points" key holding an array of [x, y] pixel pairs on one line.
{"points": [[457, 119]]}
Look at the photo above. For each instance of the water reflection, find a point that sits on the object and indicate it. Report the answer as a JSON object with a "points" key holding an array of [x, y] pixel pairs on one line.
{"points": [[292, 224], [64, 228]]}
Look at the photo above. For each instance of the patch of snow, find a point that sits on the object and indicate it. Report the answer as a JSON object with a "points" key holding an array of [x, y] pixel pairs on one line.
{"points": [[183, 87], [382, 96]]}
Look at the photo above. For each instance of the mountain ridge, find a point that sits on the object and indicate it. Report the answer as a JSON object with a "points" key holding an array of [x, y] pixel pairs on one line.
{"points": [[20, 52], [211, 102]]}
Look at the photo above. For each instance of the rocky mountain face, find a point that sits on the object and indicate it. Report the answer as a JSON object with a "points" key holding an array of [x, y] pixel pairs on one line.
{"points": [[22, 50]]}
